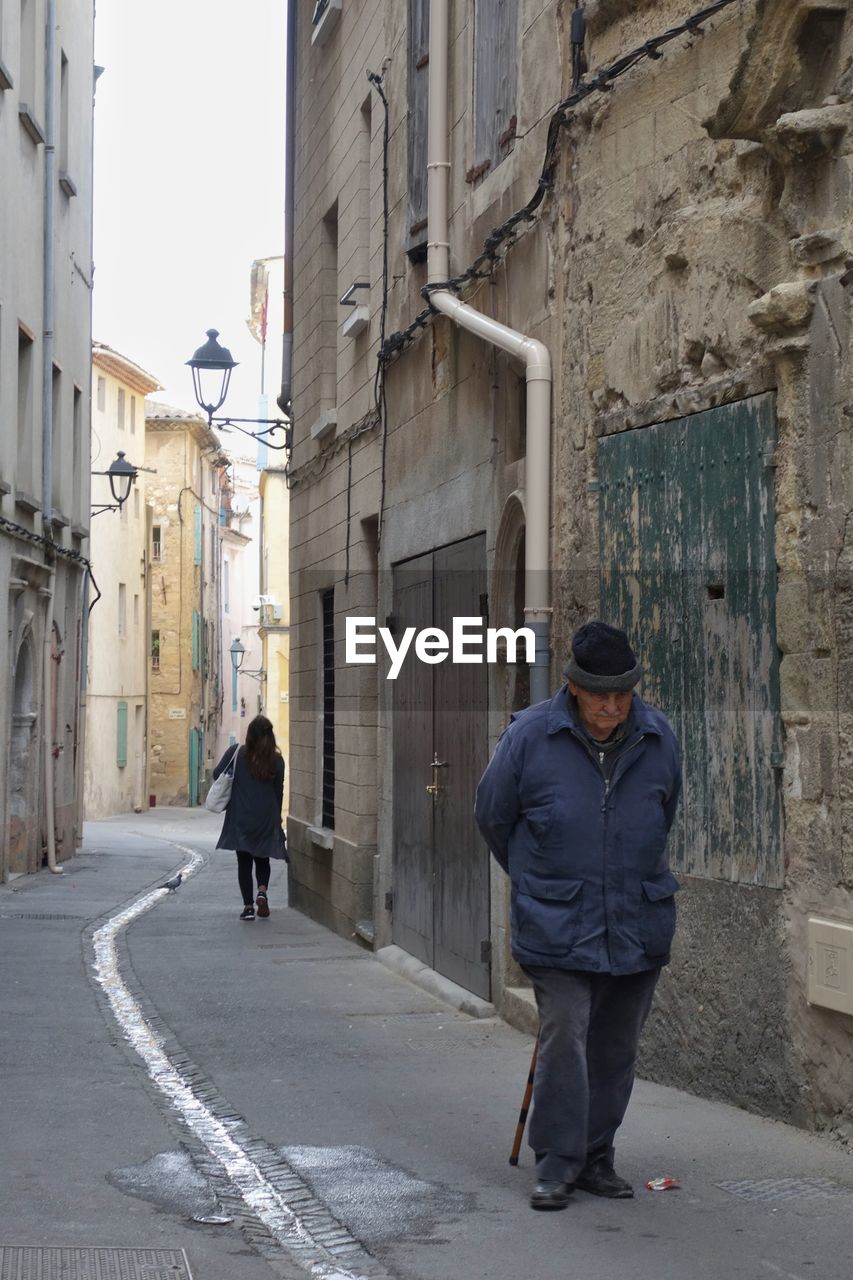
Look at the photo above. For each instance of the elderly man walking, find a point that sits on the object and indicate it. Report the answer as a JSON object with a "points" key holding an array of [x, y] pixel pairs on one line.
{"points": [[576, 805]]}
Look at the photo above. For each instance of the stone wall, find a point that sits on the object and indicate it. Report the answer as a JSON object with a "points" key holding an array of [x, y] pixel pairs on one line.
{"points": [[178, 446], [336, 463], [706, 223]]}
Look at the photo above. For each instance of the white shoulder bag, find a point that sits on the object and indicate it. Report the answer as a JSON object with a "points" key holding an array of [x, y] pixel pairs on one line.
{"points": [[220, 789]]}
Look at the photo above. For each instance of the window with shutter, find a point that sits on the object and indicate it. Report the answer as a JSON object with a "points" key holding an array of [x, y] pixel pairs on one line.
{"points": [[418, 93], [495, 82], [196, 640], [121, 735], [197, 535]]}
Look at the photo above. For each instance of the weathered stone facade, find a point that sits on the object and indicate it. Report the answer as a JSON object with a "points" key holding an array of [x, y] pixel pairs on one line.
{"points": [[693, 253], [704, 253], [185, 685]]}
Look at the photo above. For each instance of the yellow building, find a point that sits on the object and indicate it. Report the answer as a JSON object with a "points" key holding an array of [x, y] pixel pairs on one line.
{"points": [[186, 637], [274, 629]]}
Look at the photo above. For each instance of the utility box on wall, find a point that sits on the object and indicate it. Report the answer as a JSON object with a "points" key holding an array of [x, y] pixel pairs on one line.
{"points": [[831, 964]]}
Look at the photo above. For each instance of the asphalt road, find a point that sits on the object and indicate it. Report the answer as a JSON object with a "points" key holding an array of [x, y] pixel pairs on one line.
{"points": [[375, 1121]]}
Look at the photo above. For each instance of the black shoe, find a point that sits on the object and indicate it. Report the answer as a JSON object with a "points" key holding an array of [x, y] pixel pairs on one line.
{"points": [[263, 905], [601, 1179], [550, 1195], [248, 913]]}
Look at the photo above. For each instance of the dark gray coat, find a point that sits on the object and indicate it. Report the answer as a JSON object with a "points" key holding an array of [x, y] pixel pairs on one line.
{"points": [[591, 885], [253, 817]]}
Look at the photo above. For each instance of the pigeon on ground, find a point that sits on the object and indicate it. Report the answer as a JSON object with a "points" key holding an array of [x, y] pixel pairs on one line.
{"points": [[173, 884]]}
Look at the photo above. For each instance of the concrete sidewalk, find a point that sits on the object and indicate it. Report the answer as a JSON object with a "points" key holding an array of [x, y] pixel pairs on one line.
{"points": [[380, 1116]]}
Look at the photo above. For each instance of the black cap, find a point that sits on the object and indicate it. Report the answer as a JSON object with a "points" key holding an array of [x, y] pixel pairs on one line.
{"points": [[602, 660]]}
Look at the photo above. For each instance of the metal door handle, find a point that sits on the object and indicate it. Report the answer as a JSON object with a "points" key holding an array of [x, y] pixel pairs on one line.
{"points": [[433, 788]]}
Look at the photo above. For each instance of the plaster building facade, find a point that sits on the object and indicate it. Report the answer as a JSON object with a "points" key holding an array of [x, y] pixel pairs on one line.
{"points": [[46, 92], [683, 260], [241, 588], [274, 611], [116, 767], [186, 693]]}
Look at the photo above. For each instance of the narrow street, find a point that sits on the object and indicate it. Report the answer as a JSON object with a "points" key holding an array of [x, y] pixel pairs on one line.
{"points": [[368, 1124]]}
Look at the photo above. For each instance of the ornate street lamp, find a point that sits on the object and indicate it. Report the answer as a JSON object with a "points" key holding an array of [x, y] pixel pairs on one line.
{"points": [[122, 475], [238, 653], [211, 369]]}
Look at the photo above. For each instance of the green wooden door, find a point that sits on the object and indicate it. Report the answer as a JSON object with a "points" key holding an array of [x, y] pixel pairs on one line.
{"points": [[688, 568]]}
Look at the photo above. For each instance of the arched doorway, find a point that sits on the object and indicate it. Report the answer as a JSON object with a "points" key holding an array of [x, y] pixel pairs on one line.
{"points": [[22, 820]]}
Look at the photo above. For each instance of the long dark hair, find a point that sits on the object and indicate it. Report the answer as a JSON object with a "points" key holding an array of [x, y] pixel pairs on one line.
{"points": [[261, 749]]}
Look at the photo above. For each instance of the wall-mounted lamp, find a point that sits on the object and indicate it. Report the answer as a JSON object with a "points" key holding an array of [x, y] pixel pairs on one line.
{"points": [[122, 475], [238, 653], [211, 366]]}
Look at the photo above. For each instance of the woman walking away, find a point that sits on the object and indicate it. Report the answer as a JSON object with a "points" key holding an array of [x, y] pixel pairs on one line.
{"points": [[252, 825]]}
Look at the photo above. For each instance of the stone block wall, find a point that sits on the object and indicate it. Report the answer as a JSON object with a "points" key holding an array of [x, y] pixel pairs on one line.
{"points": [[705, 235]]}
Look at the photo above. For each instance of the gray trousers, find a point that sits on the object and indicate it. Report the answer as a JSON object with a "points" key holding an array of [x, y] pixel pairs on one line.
{"points": [[589, 1030]]}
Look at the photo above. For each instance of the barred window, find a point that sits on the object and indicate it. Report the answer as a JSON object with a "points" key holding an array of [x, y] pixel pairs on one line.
{"points": [[328, 792]]}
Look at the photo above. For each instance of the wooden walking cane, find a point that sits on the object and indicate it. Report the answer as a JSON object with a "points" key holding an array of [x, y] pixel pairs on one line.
{"points": [[525, 1106]]}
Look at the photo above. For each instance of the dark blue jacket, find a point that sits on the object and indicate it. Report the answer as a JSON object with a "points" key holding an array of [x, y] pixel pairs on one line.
{"points": [[591, 886]]}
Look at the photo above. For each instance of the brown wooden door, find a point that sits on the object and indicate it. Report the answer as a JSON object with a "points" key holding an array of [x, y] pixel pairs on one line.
{"points": [[441, 867]]}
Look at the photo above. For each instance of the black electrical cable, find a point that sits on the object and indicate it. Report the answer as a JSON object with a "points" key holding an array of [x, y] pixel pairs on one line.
{"points": [[501, 239], [65, 553]]}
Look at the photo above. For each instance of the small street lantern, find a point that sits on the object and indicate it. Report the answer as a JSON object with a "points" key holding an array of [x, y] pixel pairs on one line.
{"points": [[238, 653], [121, 475], [211, 365]]}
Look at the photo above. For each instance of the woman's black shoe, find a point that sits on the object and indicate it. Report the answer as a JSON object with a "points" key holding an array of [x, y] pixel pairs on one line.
{"points": [[248, 913]]}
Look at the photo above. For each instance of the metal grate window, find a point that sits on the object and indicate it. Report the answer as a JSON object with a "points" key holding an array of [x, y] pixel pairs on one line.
{"points": [[156, 543], [328, 610]]}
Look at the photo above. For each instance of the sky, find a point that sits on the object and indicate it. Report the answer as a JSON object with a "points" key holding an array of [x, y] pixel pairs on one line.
{"points": [[189, 184]]}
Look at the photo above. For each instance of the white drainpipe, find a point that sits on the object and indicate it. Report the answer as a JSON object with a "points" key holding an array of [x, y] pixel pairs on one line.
{"points": [[536, 357]]}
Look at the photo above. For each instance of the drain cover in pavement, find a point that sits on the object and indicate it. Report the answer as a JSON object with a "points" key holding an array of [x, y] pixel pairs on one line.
{"points": [[39, 915], [783, 1189], [93, 1264]]}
